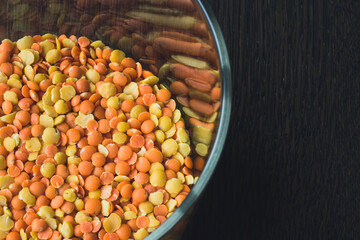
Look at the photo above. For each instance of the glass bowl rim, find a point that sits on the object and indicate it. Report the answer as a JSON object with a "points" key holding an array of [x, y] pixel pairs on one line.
{"points": [[225, 113]]}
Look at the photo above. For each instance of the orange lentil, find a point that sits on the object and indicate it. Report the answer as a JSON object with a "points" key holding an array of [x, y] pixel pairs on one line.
{"points": [[68, 207], [50, 192], [111, 236], [125, 152], [173, 164], [149, 188], [69, 219], [215, 93], [82, 143], [144, 89], [142, 178], [7, 68], [92, 125], [180, 199], [161, 219], [101, 68], [131, 72], [179, 124], [87, 107], [22, 177], [186, 188], [13, 236], [149, 99], [171, 105], [46, 234], [199, 163], [147, 74], [104, 126], [134, 123], [160, 210], [75, 72], [25, 133], [170, 174], [142, 222], [113, 122], [20, 224], [83, 42], [147, 126], [86, 168], [17, 204], [139, 195], [87, 152], [63, 127], [106, 54], [188, 162], [143, 164], [57, 202], [51, 150], [73, 135], [126, 191], [15, 188], [17, 214], [28, 167], [92, 183], [120, 79], [166, 112], [132, 225], [110, 167], [109, 113], [38, 225], [77, 231], [154, 155], [61, 171], [37, 188], [33, 86], [121, 184], [143, 117], [42, 201], [137, 141], [6, 47], [185, 170], [93, 206], [91, 236], [127, 105], [86, 227], [122, 168], [7, 107], [163, 95], [124, 232], [23, 117], [25, 103], [29, 217], [128, 63], [113, 150], [98, 159], [94, 138]]}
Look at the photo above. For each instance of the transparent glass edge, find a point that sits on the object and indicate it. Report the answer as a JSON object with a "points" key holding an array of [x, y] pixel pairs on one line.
{"points": [[224, 122]]}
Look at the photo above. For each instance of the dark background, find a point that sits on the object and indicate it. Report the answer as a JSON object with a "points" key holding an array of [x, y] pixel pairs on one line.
{"points": [[290, 167]]}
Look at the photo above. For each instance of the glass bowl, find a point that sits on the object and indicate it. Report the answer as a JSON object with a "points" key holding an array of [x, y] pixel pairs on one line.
{"points": [[161, 34]]}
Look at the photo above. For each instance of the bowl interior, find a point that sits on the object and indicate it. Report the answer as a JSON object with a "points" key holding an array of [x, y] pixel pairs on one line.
{"points": [[178, 40]]}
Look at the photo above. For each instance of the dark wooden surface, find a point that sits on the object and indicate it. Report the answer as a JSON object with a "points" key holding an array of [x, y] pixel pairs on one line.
{"points": [[290, 168]]}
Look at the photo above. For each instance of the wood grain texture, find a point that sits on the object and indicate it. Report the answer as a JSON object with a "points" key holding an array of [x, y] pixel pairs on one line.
{"points": [[291, 171]]}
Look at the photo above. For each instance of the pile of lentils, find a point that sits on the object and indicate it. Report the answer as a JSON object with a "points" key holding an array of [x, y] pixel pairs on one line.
{"points": [[91, 145]]}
